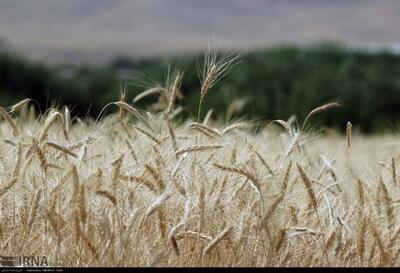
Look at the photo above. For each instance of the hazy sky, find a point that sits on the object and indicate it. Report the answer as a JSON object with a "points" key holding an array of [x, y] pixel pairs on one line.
{"points": [[95, 30]]}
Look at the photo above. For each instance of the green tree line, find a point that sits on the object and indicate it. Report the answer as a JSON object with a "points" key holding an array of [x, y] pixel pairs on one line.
{"points": [[265, 85]]}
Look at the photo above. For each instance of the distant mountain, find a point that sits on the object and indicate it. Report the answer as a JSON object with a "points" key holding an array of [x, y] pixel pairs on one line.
{"points": [[96, 30]]}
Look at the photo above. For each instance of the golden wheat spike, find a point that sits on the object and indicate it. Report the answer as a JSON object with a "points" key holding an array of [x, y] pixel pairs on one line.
{"points": [[320, 109]]}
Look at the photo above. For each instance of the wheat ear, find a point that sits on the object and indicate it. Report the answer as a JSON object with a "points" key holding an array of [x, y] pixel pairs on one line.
{"points": [[320, 109], [8, 118]]}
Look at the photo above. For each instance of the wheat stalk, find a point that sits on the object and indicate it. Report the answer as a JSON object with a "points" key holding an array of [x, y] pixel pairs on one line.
{"points": [[172, 135], [19, 105], [157, 177], [361, 239], [116, 171], [201, 207], [148, 92], [217, 239], [173, 90], [235, 126], [61, 148], [8, 118], [388, 203], [134, 113], [310, 191], [252, 178], [107, 195], [320, 109], [82, 203], [197, 148], [278, 199], [394, 175], [150, 136], [34, 206], [206, 129], [280, 238], [157, 203], [262, 160], [349, 127], [47, 125]]}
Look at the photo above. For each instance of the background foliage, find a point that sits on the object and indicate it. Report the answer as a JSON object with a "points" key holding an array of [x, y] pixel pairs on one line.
{"points": [[266, 84]]}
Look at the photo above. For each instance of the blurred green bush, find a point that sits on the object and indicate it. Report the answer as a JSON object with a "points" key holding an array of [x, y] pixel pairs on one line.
{"points": [[276, 83]]}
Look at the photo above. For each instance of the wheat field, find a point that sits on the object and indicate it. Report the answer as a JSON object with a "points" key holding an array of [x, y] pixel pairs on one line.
{"points": [[136, 188]]}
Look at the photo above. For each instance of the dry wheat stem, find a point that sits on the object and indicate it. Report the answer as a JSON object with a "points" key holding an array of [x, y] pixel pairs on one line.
{"points": [[217, 239], [197, 148]]}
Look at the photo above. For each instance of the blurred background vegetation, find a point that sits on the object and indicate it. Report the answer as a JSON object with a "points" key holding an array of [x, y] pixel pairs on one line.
{"points": [[266, 84]]}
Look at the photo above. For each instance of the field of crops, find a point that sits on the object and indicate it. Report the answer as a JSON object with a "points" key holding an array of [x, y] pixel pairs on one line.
{"points": [[137, 189]]}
